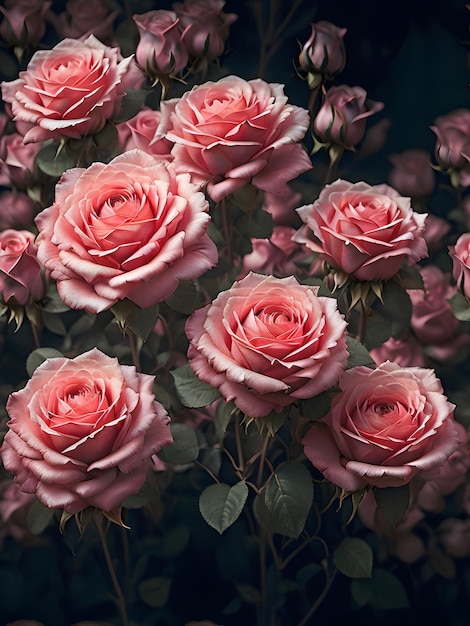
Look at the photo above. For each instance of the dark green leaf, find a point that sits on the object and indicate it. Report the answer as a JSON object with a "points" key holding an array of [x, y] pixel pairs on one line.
{"points": [[387, 591], [38, 517], [460, 306], [155, 591], [53, 161], [221, 505], [393, 501], [193, 392], [256, 225], [184, 299], [132, 103], [317, 407], [38, 356], [185, 446], [358, 354], [353, 557]]}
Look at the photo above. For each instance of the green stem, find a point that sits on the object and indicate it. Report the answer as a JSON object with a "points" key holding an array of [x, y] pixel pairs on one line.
{"points": [[320, 599]]}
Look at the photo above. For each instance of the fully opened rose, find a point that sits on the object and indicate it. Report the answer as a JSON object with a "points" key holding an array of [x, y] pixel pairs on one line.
{"points": [[267, 342], [384, 426], [366, 231], [82, 432], [68, 91], [234, 132], [132, 228]]}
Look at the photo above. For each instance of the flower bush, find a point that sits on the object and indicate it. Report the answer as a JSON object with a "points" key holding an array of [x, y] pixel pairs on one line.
{"points": [[234, 314]]}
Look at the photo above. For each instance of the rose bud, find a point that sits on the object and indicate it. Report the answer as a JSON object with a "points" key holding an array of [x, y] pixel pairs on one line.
{"points": [[324, 51]]}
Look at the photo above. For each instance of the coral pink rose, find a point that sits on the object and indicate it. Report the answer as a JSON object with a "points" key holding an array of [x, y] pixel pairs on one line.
{"points": [[139, 132], [68, 91], [132, 228], [234, 132], [384, 426], [20, 271], [412, 174], [205, 27], [324, 51], [460, 255], [160, 51], [365, 231], [24, 21], [342, 117], [82, 432], [267, 342]]}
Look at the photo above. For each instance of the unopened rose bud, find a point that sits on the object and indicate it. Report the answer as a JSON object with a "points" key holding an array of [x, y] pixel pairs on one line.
{"points": [[324, 51], [23, 21], [452, 149]]}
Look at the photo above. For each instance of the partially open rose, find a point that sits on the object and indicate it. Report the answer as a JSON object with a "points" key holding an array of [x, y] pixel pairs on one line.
{"points": [[267, 342], [384, 426], [82, 432]]}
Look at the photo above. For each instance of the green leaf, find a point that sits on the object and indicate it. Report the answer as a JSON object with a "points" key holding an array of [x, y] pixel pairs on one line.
{"points": [[184, 299], [256, 225], [132, 103], [317, 407], [155, 591], [139, 321], [353, 557], [38, 356], [393, 501], [193, 392], [185, 446], [460, 306], [383, 591], [220, 505], [38, 517], [358, 354], [286, 500], [53, 161], [410, 277]]}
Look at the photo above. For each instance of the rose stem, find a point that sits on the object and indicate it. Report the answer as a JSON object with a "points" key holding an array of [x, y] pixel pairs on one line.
{"points": [[314, 607], [112, 572]]}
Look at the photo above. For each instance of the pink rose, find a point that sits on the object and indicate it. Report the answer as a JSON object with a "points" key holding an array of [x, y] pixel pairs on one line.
{"points": [[324, 51], [365, 231], [433, 320], [160, 51], [452, 149], [132, 228], [17, 166], [460, 255], [17, 210], [68, 91], [343, 115], [14, 506], [24, 21], [412, 174], [81, 19], [205, 27], [82, 431], [405, 352], [267, 342], [139, 132], [435, 230], [282, 205], [20, 271], [234, 132], [454, 536], [384, 426]]}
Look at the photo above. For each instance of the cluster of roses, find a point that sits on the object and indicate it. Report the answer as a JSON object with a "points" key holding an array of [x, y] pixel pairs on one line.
{"points": [[131, 229]]}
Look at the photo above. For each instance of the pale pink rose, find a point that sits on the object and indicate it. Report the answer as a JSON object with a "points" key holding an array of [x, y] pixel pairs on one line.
{"points": [[205, 27], [160, 51], [81, 19], [384, 427], [432, 319], [68, 91], [17, 166], [365, 231], [412, 174], [460, 255], [17, 210], [405, 352], [24, 21], [281, 206], [324, 51], [454, 536], [444, 480], [20, 271], [435, 230], [398, 539], [452, 149], [139, 132], [342, 117], [267, 342], [234, 132], [132, 228], [82, 432]]}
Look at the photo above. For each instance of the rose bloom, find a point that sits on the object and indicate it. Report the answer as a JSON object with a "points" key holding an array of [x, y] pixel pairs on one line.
{"points": [[234, 132], [435, 230], [17, 210], [68, 91], [343, 115], [82, 432], [267, 342], [460, 255], [139, 132], [452, 149], [24, 21], [454, 536], [20, 271], [405, 352], [324, 51], [160, 50], [384, 426], [17, 161], [281, 206], [132, 228], [412, 174], [363, 230], [205, 27], [86, 18]]}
